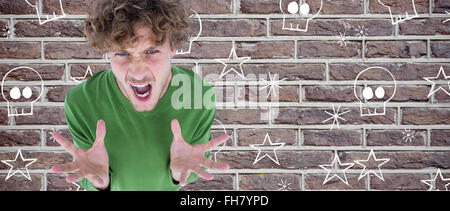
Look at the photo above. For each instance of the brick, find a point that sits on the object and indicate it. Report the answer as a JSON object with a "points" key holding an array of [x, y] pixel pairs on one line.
{"points": [[4, 117], [441, 97], [289, 71], [257, 136], [242, 116], [396, 49], [329, 93], [401, 72], [270, 182], [56, 29], [14, 138], [424, 27], [400, 159], [261, 93], [440, 49], [312, 116], [327, 49], [21, 183], [315, 182], [45, 160], [43, 116], [46, 71], [70, 50], [20, 50], [224, 94], [440, 6], [399, 182], [440, 138], [409, 94], [266, 50], [426, 116], [287, 159], [208, 50], [57, 94], [399, 7], [260, 6], [234, 28], [35, 92], [220, 182], [15, 7], [56, 182], [395, 138], [332, 137], [4, 28], [73, 7], [332, 27], [208, 6], [217, 133]]}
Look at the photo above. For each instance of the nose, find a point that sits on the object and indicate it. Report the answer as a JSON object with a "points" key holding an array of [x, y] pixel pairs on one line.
{"points": [[139, 71]]}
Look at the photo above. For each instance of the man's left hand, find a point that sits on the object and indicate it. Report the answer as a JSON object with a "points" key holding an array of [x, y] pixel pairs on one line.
{"points": [[186, 158]]}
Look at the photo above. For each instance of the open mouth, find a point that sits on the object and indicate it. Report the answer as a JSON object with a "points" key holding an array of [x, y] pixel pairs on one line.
{"points": [[142, 92]]}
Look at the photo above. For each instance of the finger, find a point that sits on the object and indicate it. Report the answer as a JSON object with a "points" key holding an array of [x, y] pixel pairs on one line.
{"points": [[176, 130], [100, 132], [96, 180], [215, 165], [66, 144], [65, 168], [208, 146], [74, 177], [183, 177], [203, 174]]}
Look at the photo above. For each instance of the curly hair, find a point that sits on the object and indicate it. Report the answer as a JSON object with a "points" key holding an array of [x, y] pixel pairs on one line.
{"points": [[111, 23]]}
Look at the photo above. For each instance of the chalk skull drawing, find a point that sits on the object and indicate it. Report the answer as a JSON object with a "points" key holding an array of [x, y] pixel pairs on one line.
{"points": [[409, 14], [300, 24], [43, 20], [370, 94], [14, 97], [192, 39]]}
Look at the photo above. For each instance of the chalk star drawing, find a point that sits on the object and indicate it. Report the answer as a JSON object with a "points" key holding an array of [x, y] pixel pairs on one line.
{"points": [[6, 31], [80, 79], [335, 116], [335, 168], [284, 185], [433, 83], [272, 83], [41, 21], [448, 13], [258, 157], [364, 172], [78, 186], [224, 144], [432, 182], [7, 162], [409, 135], [233, 58], [54, 131], [343, 40], [362, 31]]}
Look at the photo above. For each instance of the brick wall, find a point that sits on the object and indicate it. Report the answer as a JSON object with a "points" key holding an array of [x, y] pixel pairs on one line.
{"points": [[319, 69]]}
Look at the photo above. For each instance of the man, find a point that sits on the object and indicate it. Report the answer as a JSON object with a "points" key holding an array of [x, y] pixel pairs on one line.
{"points": [[127, 135]]}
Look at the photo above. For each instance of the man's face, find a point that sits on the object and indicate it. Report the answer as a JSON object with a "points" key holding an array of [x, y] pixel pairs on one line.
{"points": [[143, 72]]}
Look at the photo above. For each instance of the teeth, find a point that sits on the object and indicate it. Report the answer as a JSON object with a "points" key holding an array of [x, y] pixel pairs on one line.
{"points": [[139, 86], [144, 95]]}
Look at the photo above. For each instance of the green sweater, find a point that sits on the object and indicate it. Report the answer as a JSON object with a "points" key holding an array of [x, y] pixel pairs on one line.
{"points": [[138, 143]]}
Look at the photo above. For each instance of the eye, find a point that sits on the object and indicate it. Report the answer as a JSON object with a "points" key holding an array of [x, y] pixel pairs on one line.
{"points": [[152, 52], [122, 54]]}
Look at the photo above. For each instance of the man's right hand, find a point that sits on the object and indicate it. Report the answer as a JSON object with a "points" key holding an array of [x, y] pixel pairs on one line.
{"points": [[92, 164]]}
